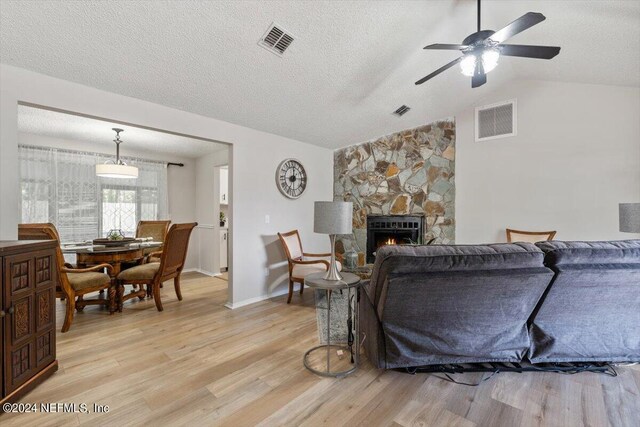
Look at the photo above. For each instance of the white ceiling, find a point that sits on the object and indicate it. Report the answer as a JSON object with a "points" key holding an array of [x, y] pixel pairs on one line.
{"points": [[351, 65], [93, 132]]}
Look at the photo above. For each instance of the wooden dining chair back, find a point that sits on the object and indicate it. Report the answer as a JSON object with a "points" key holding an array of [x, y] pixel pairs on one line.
{"points": [[72, 282], [154, 229], [175, 250], [42, 231], [529, 236], [300, 263], [157, 230], [153, 274]]}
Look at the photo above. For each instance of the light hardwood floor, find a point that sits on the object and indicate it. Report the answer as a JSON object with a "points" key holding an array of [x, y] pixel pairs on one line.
{"points": [[198, 363]]}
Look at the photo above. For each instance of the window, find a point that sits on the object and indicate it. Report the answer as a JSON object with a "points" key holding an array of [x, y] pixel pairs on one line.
{"points": [[60, 186], [119, 210]]}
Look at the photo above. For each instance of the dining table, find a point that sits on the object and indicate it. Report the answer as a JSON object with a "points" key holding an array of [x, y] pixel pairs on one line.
{"points": [[89, 254]]}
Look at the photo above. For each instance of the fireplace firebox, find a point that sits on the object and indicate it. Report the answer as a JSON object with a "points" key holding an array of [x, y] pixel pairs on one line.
{"points": [[392, 230]]}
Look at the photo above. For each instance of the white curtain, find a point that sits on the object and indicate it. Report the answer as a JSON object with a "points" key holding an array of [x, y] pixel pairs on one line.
{"points": [[61, 186]]}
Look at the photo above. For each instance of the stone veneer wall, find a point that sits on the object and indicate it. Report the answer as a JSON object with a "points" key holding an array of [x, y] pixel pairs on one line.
{"points": [[409, 172]]}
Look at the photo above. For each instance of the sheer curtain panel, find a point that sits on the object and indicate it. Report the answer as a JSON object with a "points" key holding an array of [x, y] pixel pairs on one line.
{"points": [[61, 186]]}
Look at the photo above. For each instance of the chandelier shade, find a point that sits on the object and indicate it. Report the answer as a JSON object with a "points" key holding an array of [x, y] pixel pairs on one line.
{"points": [[112, 170]]}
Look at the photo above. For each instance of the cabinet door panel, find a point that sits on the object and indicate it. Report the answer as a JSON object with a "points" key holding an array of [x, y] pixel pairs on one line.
{"points": [[19, 324], [45, 348], [21, 367], [45, 309]]}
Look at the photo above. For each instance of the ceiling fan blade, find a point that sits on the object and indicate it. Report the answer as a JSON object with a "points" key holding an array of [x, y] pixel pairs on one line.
{"points": [[525, 51], [527, 20], [479, 77], [443, 46], [439, 70]]}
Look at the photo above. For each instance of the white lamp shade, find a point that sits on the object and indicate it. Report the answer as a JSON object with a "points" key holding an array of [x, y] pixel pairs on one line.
{"points": [[116, 171], [630, 217], [333, 217]]}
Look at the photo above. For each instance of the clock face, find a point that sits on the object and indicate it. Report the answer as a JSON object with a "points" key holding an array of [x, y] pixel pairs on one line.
{"points": [[291, 178]]}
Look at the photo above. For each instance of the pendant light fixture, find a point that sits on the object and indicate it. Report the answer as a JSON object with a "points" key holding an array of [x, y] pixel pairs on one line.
{"points": [[117, 168]]}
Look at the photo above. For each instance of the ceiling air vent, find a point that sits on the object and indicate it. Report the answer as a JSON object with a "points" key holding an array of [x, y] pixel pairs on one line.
{"points": [[276, 39], [402, 110], [496, 121]]}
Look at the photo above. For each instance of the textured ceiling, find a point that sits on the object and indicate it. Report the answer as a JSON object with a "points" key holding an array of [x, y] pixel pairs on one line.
{"points": [[351, 65], [91, 131]]}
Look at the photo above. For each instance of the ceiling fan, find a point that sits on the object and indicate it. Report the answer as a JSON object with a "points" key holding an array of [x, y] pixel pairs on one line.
{"points": [[482, 49]]}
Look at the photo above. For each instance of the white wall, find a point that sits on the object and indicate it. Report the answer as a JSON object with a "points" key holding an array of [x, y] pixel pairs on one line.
{"points": [[254, 158], [208, 209], [181, 181], [575, 157]]}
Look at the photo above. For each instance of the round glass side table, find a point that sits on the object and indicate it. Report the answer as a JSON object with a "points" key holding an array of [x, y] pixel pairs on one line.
{"points": [[351, 283]]}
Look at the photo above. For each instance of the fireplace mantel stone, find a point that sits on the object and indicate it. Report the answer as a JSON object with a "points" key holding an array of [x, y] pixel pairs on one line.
{"points": [[406, 173]]}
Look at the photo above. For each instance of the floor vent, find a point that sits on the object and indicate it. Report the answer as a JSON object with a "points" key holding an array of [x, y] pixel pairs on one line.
{"points": [[496, 121], [402, 110], [276, 39]]}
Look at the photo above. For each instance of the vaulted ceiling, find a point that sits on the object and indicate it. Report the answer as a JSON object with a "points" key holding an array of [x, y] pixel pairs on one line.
{"points": [[351, 64]]}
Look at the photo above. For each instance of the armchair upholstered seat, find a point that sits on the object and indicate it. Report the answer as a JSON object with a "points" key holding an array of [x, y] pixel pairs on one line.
{"points": [[140, 272], [301, 263], [73, 282], [80, 281], [303, 270]]}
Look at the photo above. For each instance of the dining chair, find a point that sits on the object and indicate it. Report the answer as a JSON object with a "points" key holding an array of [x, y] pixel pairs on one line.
{"points": [[529, 236], [73, 282], [152, 274], [157, 230], [300, 264]]}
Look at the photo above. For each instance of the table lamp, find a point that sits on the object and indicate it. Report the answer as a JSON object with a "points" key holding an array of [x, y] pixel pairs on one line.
{"points": [[630, 217], [332, 218]]}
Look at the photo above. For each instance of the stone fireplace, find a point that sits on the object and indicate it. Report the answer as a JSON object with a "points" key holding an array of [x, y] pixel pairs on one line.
{"points": [[408, 173], [392, 230]]}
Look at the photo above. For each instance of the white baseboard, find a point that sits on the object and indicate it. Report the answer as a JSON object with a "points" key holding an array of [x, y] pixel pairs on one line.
{"points": [[199, 270], [242, 303]]}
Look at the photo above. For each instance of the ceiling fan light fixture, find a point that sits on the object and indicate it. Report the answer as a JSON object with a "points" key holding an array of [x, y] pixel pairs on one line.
{"points": [[490, 59], [468, 64], [116, 168]]}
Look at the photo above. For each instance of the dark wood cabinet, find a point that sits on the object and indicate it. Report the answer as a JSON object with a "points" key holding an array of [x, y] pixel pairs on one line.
{"points": [[28, 322]]}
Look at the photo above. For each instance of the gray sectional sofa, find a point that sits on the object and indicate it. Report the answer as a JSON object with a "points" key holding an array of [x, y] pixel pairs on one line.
{"points": [[549, 302]]}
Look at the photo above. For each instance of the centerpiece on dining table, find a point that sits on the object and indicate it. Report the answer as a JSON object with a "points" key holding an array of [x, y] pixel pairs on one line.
{"points": [[114, 237]]}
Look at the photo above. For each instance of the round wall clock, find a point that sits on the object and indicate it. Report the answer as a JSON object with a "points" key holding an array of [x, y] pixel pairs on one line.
{"points": [[291, 178]]}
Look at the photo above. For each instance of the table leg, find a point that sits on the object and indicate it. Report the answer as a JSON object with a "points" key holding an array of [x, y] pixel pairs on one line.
{"points": [[328, 330], [112, 299], [357, 317], [116, 268]]}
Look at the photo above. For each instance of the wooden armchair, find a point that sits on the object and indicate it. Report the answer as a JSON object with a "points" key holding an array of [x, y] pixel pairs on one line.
{"points": [[299, 264], [529, 236], [156, 230], [73, 282], [154, 273]]}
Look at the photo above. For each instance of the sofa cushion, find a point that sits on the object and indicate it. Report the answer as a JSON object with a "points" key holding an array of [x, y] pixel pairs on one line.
{"points": [[140, 272], [449, 258], [615, 252], [590, 310], [81, 281]]}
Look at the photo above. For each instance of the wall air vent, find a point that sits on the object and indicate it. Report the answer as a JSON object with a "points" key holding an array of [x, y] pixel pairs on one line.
{"points": [[402, 110], [276, 39], [496, 121]]}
